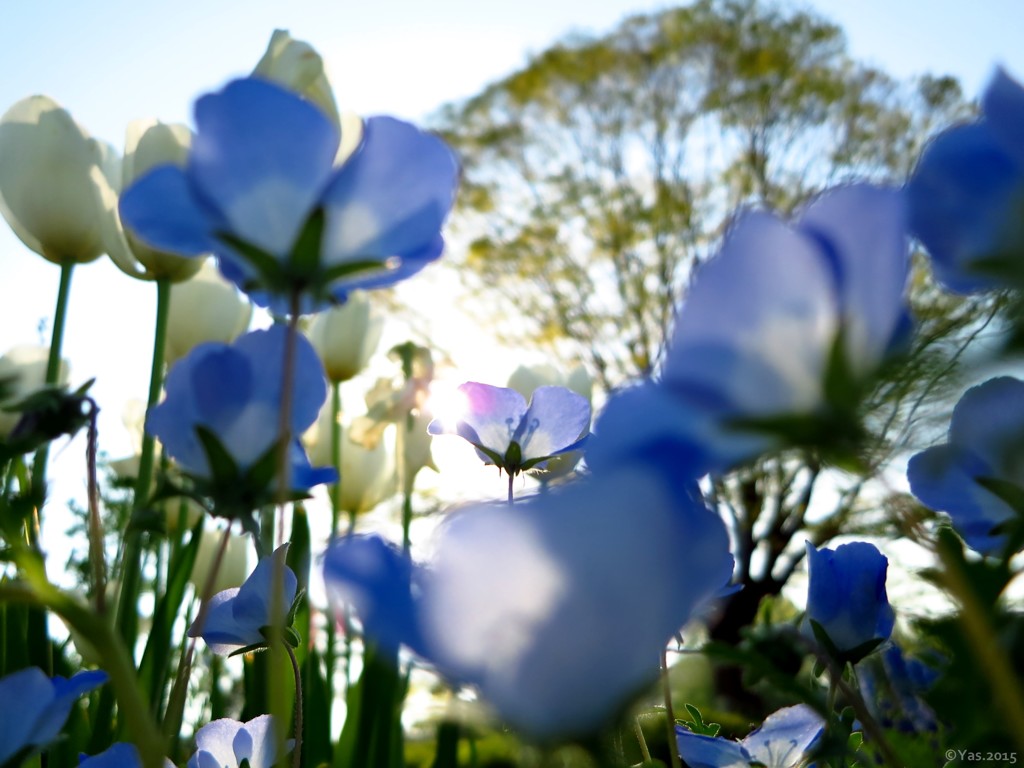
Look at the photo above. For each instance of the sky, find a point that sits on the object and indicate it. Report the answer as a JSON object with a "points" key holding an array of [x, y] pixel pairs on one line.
{"points": [[112, 61]]}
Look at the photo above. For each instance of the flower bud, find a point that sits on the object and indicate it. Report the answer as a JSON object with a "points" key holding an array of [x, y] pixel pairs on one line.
{"points": [[148, 144], [205, 308], [297, 66], [51, 177], [346, 336], [23, 372], [367, 474]]}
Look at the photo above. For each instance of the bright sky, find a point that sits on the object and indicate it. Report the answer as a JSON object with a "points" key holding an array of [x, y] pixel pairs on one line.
{"points": [[112, 61]]}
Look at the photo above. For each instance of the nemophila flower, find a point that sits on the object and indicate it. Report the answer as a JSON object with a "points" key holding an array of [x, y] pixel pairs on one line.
{"points": [[514, 435], [557, 609], [51, 177], [34, 708], [977, 476], [120, 755], [262, 192], [226, 743], [967, 195], [238, 620], [783, 741], [848, 608], [893, 688], [776, 339], [219, 420]]}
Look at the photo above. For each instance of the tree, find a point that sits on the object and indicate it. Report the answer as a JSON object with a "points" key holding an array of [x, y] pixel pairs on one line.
{"points": [[599, 176]]}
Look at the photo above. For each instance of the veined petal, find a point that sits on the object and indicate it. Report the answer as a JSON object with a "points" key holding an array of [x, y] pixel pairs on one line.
{"points": [[785, 737], [556, 419], [216, 738], [260, 742], [251, 606], [491, 417], [391, 196], [701, 751], [262, 157], [863, 233], [162, 212]]}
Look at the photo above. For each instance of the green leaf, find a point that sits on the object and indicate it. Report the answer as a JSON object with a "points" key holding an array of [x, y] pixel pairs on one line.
{"points": [[223, 468], [304, 259]]}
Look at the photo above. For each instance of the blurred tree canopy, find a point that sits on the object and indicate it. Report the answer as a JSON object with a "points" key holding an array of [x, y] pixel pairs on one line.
{"points": [[600, 174]]}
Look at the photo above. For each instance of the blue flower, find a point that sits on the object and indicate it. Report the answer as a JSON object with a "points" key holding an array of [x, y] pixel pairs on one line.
{"points": [[986, 444], [34, 707], [233, 392], [556, 609], [893, 688], [226, 743], [966, 197], [846, 599], [782, 741], [120, 755], [776, 339], [513, 435], [237, 619], [262, 192]]}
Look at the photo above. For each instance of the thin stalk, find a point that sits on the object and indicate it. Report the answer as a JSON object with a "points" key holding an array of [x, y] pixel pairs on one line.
{"points": [[275, 677], [60, 315], [643, 741], [511, 477], [96, 560], [131, 563], [297, 752], [330, 655], [670, 717]]}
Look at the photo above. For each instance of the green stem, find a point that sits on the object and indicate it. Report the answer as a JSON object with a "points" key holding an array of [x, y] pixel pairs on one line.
{"points": [[275, 676], [330, 655], [643, 741], [297, 752], [131, 564], [511, 477], [670, 717]]}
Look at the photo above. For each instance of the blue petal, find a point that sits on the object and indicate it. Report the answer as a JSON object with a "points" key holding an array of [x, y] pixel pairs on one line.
{"points": [[758, 323], [555, 420], [1003, 107], [701, 751], [391, 196], [376, 578], [407, 266], [490, 419], [161, 210], [265, 351], [785, 737], [989, 422], [120, 755], [65, 693], [846, 594], [252, 605], [25, 696], [943, 479], [213, 742], [960, 200], [863, 231], [261, 157]]}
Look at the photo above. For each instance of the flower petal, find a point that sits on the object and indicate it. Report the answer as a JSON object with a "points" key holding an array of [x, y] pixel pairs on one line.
{"points": [[989, 421], [701, 751], [261, 157], [1003, 107], [490, 418], [555, 420], [863, 231], [160, 210], [785, 737], [391, 196]]}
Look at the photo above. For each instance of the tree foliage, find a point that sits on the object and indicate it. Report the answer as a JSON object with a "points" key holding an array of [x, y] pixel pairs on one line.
{"points": [[601, 173]]}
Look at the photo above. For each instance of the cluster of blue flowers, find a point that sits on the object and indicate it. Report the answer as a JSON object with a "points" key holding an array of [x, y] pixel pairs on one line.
{"points": [[556, 608]]}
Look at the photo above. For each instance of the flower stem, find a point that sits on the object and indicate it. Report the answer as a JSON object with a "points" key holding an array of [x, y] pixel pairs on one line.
{"points": [[330, 654], [670, 717], [511, 477], [131, 564], [60, 314], [642, 741], [297, 752]]}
